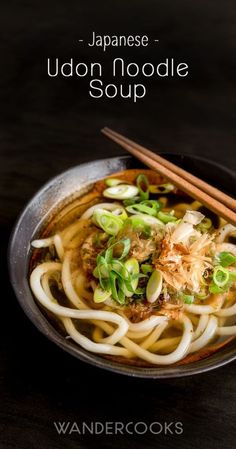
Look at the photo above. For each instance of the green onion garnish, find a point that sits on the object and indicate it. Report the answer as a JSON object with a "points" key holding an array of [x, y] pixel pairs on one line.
{"points": [[117, 277], [121, 192], [131, 270], [205, 225], [109, 222], [154, 286], [122, 245], [120, 213], [166, 217], [188, 299], [213, 288], [146, 268], [143, 185], [226, 259], [101, 295], [130, 201], [110, 182], [149, 207], [220, 276], [139, 225]]}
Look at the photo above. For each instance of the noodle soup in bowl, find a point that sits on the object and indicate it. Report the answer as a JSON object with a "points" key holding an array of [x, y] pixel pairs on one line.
{"points": [[124, 271]]}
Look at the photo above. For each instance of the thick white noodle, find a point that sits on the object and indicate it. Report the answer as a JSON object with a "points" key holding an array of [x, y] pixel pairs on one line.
{"points": [[43, 243], [200, 310], [140, 339], [154, 336], [118, 334], [202, 323], [67, 283], [54, 240], [217, 301], [59, 246], [168, 359], [138, 335], [109, 330], [105, 326], [224, 232], [228, 247], [88, 314], [228, 311], [72, 231], [147, 324], [206, 336], [167, 344], [86, 343], [79, 283], [226, 330]]}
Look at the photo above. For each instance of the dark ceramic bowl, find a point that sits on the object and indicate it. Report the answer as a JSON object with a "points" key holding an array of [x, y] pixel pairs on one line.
{"points": [[44, 205]]}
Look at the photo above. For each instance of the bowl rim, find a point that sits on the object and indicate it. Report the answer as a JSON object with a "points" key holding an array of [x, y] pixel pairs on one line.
{"points": [[45, 327]]}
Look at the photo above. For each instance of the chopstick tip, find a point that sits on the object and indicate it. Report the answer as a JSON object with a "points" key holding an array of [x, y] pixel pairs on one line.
{"points": [[104, 129]]}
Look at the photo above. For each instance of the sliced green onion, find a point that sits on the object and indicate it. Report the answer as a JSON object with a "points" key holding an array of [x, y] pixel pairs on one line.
{"points": [[188, 299], [130, 201], [120, 213], [117, 266], [149, 207], [116, 292], [99, 239], [124, 243], [121, 192], [154, 286], [104, 283], [146, 268], [232, 276], [155, 204], [137, 208], [143, 186], [113, 182], [121, 293], [96, 273], [131, 268], [136, 222], [203, 294], [205, 225], [149, 220], [161, 188], [107, 221], [139, 291], [226, 259], [103, 276], [139, 226], [166, 217], [101, 295], [220, 276], [103, 271], [221, 280], [213, 288], [110, 271], [101, 260]]}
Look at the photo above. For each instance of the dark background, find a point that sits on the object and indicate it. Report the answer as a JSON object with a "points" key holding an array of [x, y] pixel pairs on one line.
{"points": [[48, 125]]}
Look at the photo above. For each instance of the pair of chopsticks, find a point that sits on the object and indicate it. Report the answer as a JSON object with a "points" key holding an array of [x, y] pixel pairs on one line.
{"points": [[217, 201]]}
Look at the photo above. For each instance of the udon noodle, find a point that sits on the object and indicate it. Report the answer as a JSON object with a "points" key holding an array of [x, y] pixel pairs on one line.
{"points": [[137, 271]]}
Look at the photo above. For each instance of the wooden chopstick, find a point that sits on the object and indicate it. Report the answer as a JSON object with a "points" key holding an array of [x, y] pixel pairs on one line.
{"points": [[194, 190], [209, 189]]}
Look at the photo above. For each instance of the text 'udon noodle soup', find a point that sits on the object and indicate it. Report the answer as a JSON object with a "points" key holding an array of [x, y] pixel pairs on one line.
{"points": [[139, 272]]}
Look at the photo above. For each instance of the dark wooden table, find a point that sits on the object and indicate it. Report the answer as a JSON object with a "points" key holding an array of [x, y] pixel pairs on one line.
{"points": [[48, 125]]}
